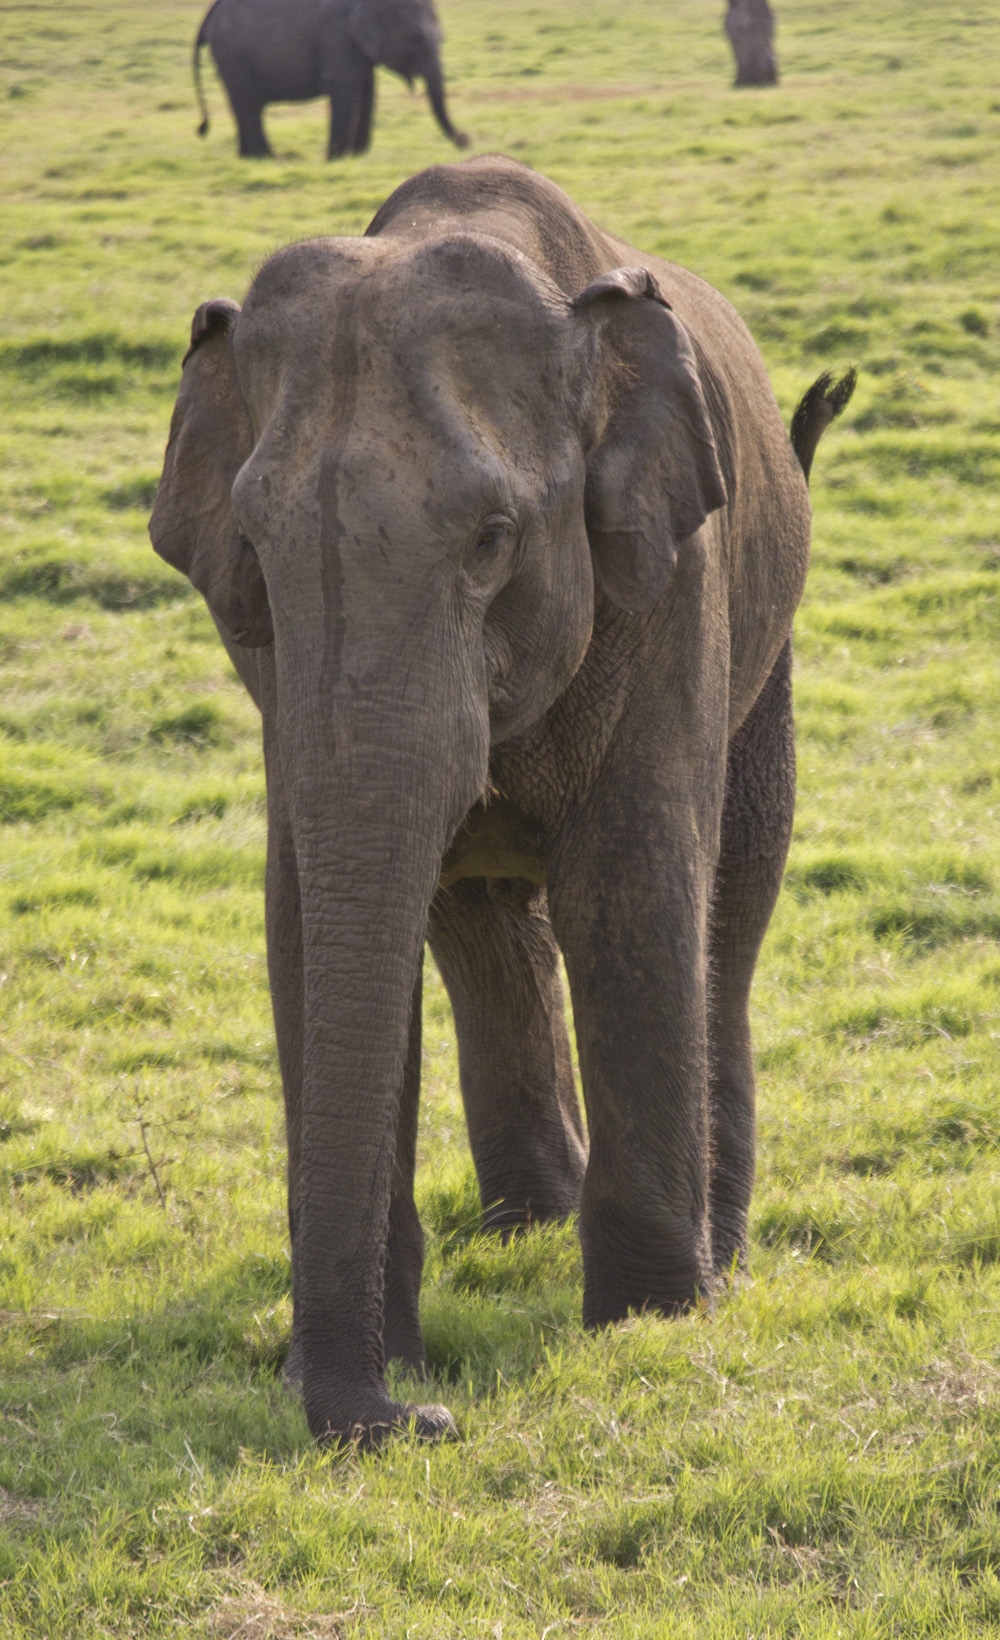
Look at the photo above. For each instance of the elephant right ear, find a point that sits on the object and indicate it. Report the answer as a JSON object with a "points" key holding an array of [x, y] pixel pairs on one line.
{"points": [[193, 526], [653, 475]]}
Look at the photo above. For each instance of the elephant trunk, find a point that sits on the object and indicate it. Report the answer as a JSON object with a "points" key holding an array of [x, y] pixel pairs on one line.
{"points": [[381, 759], [435, 91]]}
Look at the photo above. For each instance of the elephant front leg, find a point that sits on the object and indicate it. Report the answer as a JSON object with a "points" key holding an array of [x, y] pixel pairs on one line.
{"points": [[629, 895], [352, 103], [494, 946], [756, 831], [363, 128], [283, 923], [404, 1261]]}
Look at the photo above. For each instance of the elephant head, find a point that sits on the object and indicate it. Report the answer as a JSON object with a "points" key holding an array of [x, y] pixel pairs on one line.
{"points": [[405, 36], [411, 459]]}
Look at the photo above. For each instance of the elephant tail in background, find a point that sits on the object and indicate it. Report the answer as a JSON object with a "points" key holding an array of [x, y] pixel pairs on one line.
{"points": [[202, 40], [815, 411]]}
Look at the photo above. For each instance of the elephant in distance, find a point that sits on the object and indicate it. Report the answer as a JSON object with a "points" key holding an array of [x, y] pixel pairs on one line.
{"points": [[501, 527], [294, 50], [750, 27]]}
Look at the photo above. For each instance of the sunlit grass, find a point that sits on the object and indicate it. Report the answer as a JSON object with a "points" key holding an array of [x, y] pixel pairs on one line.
{"points": [[821, 1455]]}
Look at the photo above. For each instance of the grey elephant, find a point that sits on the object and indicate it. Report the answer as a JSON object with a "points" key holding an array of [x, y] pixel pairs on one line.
{"points": [[500, 525], [293, 50], [750, 27]]}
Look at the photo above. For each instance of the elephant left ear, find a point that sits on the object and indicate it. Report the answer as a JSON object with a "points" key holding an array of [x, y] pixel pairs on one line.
{"points": [[653, 475], [193, 526], [367, 30]]}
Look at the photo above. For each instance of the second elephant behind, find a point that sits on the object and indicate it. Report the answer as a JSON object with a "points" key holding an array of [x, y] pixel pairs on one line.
{"points": [[294, 50]]}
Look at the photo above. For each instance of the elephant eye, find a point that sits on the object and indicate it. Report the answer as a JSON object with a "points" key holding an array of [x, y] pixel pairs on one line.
{"points": [[493, 533]]}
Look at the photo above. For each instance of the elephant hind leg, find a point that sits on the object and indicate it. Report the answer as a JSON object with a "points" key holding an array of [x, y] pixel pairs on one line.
{"points": [[252, 137], [494, 946], [756, 831]]}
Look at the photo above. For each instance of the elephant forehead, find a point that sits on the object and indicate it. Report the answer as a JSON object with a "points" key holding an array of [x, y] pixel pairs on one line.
{"points": [[473, 282], [392, 302], [451, 355], [308, 272], [465, 331]]}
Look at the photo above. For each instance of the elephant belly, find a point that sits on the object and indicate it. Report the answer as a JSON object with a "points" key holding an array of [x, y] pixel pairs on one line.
{"points": [[276, 61], [495, 840], [287, 79]]}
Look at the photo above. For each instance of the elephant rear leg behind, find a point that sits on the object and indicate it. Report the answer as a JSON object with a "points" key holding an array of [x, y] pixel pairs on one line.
{"points": [[283, 923], [247, 110], [756, 831], [402, 1337], [352, 105], [494, 946]]}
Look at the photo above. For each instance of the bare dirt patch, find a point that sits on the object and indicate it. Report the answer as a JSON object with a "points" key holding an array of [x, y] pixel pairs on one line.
{"points": [[250, 1613]]}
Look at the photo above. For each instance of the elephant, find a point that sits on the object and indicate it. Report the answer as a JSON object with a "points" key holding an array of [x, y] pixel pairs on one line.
{"points": [[750, 27], [500, 525], [293, 50]]}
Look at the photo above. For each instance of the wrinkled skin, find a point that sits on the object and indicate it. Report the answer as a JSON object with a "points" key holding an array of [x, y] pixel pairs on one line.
{"points": [[293, 50], [507, 552]]}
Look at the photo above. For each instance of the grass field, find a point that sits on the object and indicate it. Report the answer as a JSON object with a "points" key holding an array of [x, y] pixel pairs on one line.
{"points": [[820, 1457]]}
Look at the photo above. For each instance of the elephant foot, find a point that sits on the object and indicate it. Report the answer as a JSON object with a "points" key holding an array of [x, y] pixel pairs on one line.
{"points": [[512, 1211], [729, 1246], [379, 1421], [729, 1263], [292, 1372], [612, 1294], [405, 1347]]}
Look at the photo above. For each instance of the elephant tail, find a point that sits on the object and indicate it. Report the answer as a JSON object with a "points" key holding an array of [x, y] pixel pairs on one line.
{"points": [[202, 40], [815, 411]]}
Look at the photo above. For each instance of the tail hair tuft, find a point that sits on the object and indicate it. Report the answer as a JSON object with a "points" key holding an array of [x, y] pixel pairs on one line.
{"points": [[817, 407]]}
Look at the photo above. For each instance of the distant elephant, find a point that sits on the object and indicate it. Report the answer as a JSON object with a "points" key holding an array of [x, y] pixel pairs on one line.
{"points": [[293, 50], [750, 27], [500, 525]]}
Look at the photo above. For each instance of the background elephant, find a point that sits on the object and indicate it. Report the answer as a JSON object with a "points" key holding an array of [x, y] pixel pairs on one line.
{"points": [[499, 522], [750, 27], [292, 50]]}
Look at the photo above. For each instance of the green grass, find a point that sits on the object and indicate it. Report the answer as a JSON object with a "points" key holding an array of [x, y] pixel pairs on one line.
{"points": [[820, 1457]]}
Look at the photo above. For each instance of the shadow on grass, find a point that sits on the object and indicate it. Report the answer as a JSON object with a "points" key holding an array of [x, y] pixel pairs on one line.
{"points": [[203, 1371]]}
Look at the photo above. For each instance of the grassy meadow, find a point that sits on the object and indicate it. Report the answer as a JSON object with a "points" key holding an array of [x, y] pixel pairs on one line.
{"points": [[821, 1456]]}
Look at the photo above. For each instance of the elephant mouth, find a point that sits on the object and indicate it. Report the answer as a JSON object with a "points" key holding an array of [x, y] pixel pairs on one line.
{"points": [[496, 840], [499, 665]]}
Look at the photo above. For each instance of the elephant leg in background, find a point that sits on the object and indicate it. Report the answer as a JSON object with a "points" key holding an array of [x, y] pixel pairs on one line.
{"points": [[493, 944], [283, 923], [628, 889], [404, 1261], [363, 130], [247, 110], [351, 105], [756, 830]]}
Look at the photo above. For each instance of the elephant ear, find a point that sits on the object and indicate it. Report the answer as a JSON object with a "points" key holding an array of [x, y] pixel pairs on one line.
{"points": [[367, 30], [193, 526], [653, 476]]}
